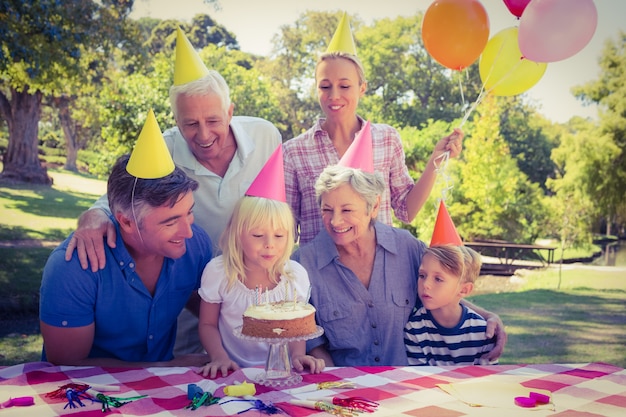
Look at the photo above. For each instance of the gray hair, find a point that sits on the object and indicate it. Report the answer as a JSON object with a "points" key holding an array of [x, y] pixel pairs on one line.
{"points": [[212, 83], [368, 185], [344, 55], [127, 192]]}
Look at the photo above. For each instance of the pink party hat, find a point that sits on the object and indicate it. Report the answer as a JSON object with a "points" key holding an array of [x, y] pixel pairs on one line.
{"points": [[270, 181], [360, 154], [445, 233]]}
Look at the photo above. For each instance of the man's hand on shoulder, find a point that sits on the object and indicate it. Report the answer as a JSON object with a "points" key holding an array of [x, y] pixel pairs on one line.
{"points": [[93, 225]]}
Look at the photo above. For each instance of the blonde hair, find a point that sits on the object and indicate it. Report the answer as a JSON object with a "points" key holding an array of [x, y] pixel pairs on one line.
{"points": [[473, 263], [343, 55], [450, 257], [460, 261], [251, 212]]}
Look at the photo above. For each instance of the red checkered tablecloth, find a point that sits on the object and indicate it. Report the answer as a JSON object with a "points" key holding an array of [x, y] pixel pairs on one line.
{"points": [[594, 389]]}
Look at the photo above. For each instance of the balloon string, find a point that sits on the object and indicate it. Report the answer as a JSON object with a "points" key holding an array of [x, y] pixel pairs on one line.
{"points": [[469, 111], [483, 92], [462, 95], [441, 170], [507, 74], [479, 99]]}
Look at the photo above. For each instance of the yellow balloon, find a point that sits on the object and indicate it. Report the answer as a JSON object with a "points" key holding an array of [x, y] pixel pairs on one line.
{"points": [[503, 69]]}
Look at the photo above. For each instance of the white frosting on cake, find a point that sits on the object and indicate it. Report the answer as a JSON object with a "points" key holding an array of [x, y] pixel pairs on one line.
{"points": [[287, 310]]}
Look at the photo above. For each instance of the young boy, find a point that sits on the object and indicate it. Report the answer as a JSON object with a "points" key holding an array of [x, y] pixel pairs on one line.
{"points": [[444, 331]]}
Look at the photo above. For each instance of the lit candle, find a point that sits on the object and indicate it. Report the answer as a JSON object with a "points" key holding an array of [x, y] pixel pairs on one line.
{"points": [[267, 295]]}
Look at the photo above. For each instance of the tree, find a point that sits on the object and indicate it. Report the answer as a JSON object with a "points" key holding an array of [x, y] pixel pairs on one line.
{"points": [[201, 32], [250, 91], [582, 158], [525, 133], [40, 49], [491, 197], [406, 87], [291, 67], [124, 103], [418, 144], [607, 181], [126, 100]]}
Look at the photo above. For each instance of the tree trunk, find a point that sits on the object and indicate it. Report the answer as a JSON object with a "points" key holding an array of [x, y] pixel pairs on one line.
{"points": [[609, 224], [21, 161], [71, 146]]}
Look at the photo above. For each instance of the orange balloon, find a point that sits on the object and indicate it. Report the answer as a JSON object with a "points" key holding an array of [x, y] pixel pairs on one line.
{"points": [[455, 32]]}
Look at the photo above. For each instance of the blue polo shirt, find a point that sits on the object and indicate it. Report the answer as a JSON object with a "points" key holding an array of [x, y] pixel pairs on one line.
{"points": [[364, 326], [130, 323]]}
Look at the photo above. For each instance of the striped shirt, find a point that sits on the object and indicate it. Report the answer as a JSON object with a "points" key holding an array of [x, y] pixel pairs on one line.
{"points": [[428, 343], [307, 155]]}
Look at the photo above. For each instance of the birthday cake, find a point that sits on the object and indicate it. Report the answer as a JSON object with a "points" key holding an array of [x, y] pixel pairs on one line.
{"points": [[279, 320]]}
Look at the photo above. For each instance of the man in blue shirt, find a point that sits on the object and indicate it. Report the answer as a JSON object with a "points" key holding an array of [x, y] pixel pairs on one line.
{"points": [[125, 314]]}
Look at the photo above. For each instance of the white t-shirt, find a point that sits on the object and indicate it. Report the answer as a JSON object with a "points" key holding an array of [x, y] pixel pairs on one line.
{"points": [[234, 302]]}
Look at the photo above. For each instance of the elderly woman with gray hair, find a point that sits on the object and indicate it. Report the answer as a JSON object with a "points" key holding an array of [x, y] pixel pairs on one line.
{"points": [[363, 274]]}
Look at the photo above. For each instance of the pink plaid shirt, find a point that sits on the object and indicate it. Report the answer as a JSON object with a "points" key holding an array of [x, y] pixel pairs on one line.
{"points": [[307, 155]]}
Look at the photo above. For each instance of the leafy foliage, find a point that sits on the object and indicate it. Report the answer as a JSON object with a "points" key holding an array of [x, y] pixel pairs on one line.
{"points": [[124, 104], [528, 140], [418, 144], [607, 183], [494, 198], [291, 68], [43, 51], [518, 175], [406, 86]]}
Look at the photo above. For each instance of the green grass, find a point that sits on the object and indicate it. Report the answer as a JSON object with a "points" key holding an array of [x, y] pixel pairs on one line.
{"points": [[20, 341], [20, 277], [583, 321], [40, 212]]}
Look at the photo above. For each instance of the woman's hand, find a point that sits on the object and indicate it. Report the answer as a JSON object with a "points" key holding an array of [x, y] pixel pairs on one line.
{"points": [[452, 143]]}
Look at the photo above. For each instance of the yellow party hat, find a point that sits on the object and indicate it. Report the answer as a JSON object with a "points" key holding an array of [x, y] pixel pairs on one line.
{"points": [[188, 66], [342, 40], [150, 158]]}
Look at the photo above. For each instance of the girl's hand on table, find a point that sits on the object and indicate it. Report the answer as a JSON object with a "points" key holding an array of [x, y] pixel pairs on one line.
{"points": [[315, 365]]}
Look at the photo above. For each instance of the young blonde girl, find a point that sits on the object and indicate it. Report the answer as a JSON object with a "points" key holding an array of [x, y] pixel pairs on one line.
{"points": [[256, 246]]}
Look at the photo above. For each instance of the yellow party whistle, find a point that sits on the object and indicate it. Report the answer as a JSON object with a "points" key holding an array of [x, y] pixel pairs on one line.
{"points": [[240, 390]]}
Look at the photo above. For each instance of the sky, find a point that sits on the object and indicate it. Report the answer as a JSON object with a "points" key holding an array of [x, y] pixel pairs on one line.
{"points": [[255, 22]]}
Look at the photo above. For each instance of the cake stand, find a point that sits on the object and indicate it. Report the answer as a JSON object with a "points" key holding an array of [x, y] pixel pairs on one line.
{"points": [[278, 370]]}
